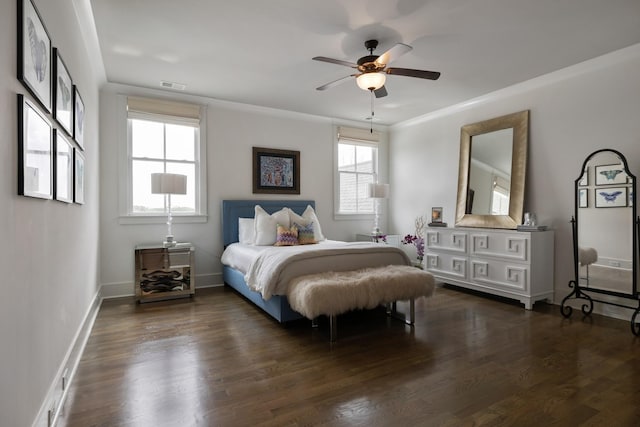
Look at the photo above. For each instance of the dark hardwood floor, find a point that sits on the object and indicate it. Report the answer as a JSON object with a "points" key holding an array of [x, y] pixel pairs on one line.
{"points": [[469, 361]]}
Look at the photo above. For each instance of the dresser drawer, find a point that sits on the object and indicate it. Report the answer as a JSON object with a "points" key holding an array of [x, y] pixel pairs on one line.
{"points": [[448, 240], [447, 265], [495, 274], [513, 246]]}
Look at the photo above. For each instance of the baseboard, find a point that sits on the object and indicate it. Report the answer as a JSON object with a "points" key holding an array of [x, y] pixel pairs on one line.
{"points": [[57, 393], [126, 289]]}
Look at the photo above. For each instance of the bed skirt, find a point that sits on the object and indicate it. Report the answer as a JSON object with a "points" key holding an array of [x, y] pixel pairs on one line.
{"points": [[277, 306]]}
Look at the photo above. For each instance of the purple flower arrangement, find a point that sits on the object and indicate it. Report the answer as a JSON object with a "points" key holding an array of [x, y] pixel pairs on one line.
{"points": [[417, 241]]}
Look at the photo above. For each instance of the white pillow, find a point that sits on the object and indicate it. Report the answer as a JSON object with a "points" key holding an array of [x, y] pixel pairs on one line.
{"points": [[246, 231], [309, 215], [266, 225]]}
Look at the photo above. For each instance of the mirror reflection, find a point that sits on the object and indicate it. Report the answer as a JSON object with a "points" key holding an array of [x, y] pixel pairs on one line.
{"points": [[490, 173], [605, 219]]}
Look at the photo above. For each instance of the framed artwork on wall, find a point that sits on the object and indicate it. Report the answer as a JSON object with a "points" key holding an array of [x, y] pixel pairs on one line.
{"points": [[611, 197], [34, 54], [63, 168], [34, 152], [78, 118], [276, 171], [62, 93], [78, 176], [610, 175], [583, 198]]}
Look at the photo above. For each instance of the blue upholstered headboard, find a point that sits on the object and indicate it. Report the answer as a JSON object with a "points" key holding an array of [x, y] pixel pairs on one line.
{"points": [[234, 209]]}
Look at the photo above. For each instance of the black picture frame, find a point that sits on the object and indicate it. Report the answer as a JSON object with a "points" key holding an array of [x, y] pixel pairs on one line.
{"points": [[78, 176], [62, 93], [276, 171], [35, 151], [78, 118], [583, 197], [610, 175], [34, 54], [63, 167], [611, 197]]}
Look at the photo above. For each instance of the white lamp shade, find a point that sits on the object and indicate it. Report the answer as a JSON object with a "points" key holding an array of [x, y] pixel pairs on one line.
{"points": [[168, 183], [371, 81], [378, 191]]}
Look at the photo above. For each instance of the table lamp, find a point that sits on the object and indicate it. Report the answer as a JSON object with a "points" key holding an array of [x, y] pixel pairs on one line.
{"points": [[377, 192], [168, 184]]}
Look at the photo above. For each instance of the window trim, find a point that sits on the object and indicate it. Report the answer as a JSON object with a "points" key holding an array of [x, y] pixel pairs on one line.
{"points": [[125, 194], [354, 136]]}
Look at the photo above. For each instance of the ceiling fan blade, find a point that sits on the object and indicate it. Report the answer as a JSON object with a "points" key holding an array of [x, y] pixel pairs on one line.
{"points": [[382, 91], [334, 83], [392, 54], [421, 74], [335, 61]]}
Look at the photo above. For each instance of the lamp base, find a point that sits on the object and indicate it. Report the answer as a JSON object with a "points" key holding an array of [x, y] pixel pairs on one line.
{"points": [[169, 242]]}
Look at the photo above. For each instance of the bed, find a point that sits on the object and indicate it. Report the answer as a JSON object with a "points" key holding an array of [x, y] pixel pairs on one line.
{"points": [[274, 301]]}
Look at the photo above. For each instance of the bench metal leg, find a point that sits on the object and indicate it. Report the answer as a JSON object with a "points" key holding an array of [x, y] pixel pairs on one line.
{"points": [[393, 312], [333, 326]]}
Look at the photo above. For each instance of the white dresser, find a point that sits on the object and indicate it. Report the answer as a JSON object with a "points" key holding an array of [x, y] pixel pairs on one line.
{"points": [[509, 263]]}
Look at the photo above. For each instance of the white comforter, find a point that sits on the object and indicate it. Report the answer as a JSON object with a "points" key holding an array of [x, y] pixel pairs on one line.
{"points": [[273, 267]]}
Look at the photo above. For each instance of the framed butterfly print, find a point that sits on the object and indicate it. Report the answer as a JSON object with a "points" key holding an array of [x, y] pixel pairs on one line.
{"points": [[610, 175], [34, 54], [63, 168], [35, 149], [62, 93], [78, 176], [611, 197], [78, 118]]}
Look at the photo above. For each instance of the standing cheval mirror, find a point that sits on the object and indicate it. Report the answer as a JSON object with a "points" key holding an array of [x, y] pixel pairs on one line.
{"points": [[605, 234]]}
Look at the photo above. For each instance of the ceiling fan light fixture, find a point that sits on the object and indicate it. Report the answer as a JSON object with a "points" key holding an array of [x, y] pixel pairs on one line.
{"points": [[371, 81]]}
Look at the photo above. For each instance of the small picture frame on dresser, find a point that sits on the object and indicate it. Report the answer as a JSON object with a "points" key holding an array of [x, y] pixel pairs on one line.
{"points": [[436, 218]]}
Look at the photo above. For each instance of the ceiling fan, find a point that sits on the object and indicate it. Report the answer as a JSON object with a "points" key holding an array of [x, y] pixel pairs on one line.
{"points": [[373, 69]]}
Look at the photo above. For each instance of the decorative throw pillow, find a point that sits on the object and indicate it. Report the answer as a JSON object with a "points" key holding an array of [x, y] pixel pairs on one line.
{"points": [[286, 236], [265, 225], [308, 216], [305, 233], [246, 231]]}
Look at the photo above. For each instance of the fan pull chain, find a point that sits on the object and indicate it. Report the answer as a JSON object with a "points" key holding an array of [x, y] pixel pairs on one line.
{"points": [[372, 113]]}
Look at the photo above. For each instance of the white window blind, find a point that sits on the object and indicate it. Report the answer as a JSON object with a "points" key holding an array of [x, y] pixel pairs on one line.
{"points": [[357, 166], [164, 137]]}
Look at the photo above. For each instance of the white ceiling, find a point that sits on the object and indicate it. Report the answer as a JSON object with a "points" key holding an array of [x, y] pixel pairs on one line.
{"points": [[259, 52]]}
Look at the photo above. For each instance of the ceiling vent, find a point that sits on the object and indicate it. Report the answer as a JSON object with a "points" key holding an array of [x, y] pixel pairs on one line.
{"points": [[172, 85]]}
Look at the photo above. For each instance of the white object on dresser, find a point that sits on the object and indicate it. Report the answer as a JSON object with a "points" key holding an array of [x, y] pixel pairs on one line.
{"points": [[508, 263], [391, 239]]}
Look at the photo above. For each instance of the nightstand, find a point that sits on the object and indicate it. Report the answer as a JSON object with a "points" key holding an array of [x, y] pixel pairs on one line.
{"points": [[164, 273], [392, 239]]}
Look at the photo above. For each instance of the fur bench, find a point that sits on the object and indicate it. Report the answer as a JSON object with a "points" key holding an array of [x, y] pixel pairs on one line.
{"points": [[334, 293]]}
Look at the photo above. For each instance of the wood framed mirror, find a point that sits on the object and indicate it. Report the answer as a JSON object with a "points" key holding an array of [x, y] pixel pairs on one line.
{"points": [[491, 173]]}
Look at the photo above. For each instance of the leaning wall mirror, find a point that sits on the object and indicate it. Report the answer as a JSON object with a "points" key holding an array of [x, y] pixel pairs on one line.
{"points": [[605, 234], [491, 174]]}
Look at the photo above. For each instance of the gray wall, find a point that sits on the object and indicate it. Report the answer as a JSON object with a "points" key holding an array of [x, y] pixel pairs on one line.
{"points": [[49, 257], [232, 131], [574, 112]]}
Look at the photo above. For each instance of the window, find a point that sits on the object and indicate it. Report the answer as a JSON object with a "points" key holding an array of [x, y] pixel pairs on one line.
{"points": [[500, 196], [357, 166], [164, 136]]}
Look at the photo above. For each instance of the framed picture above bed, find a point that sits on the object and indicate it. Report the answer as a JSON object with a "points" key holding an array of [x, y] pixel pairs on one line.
{"points": [[276, 171]]}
